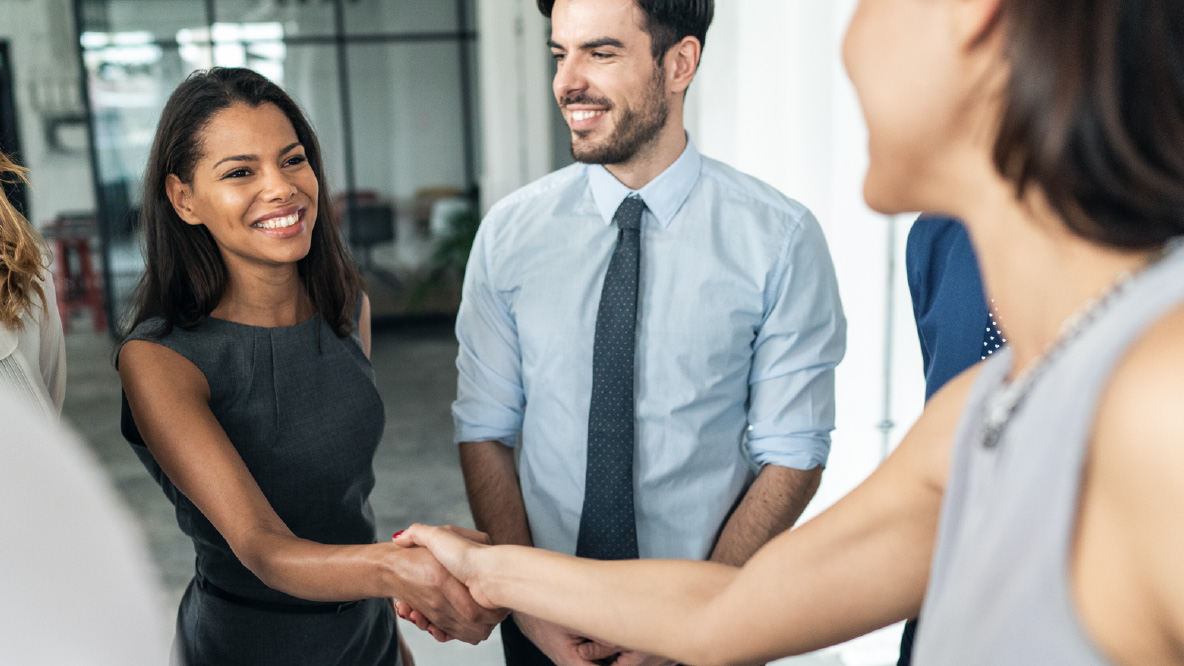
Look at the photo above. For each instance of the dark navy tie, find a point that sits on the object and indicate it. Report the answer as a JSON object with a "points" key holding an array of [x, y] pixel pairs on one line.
{"points": [[608, 530]]}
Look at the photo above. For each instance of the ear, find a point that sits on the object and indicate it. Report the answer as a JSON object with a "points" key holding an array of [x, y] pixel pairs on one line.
{"points": [[181, 196], [975, 21], [682, 61]]}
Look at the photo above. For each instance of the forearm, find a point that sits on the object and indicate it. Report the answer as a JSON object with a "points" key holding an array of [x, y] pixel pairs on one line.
{"points": [[653, 606], [321, 572], [495, 497], [860, 566], [771, 506]]}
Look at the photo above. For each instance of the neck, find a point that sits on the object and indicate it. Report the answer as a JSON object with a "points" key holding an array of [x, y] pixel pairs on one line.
{"points": [[268, 296], [655, 157], [1037, 272]]}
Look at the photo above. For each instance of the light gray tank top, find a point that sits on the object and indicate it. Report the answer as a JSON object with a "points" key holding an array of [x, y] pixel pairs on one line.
{"points": [[999, 589]]}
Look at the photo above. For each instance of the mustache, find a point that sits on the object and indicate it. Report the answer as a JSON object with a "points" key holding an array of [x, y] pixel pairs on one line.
{"points": [[584, 98]]}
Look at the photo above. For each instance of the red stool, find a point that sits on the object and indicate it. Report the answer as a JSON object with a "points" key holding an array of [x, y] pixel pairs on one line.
{"points": [[77, 283]]}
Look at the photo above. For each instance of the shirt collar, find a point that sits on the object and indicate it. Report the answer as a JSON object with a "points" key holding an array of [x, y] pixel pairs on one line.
{"points": [[663, 195]]}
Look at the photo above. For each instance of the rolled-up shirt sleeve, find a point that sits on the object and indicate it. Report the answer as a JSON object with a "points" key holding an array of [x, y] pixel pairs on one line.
{"points": [[490, 398], [801, 339]]}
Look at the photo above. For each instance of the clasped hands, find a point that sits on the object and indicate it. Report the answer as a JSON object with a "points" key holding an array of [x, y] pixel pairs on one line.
{"points": [[442, 602], [457, 549]]}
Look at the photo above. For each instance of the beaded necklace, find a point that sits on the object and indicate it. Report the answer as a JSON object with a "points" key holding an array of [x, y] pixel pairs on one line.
{"points": [[1009, 397]]}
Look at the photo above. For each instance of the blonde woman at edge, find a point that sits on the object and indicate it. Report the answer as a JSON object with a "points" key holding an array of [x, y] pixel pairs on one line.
{"points": [[1035, 509], [32, 348]]}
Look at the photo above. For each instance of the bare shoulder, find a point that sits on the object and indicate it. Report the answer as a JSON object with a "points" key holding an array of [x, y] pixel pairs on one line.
{"points": [[1142, 409], [149, 369]]}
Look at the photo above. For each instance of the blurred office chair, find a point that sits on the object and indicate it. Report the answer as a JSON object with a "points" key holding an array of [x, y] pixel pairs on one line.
{"points": [[369, 225]]}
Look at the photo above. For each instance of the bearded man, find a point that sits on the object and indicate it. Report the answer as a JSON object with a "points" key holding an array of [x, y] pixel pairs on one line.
{"points": [[654, 331]]}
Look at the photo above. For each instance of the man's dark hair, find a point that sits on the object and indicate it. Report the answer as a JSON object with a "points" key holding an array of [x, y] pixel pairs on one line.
{"points": [[666, 21], [1094, 114]]}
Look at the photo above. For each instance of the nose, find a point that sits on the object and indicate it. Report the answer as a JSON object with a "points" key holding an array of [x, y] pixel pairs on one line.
{"points": [[276, 185], [569, 78]]}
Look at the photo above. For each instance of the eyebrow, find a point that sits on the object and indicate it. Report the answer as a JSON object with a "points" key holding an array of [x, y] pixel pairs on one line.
{"points": [[589, 45], [253, 158]]}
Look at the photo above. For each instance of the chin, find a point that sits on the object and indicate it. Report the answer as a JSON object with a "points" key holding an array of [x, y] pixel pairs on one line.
{"points": [[886, 200]]}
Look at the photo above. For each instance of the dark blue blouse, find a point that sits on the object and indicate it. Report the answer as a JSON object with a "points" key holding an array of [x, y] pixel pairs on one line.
{"points": [[949, 304]]}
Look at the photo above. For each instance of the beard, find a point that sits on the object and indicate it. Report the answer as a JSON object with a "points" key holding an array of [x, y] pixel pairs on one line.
{"points": [[635, 129]]}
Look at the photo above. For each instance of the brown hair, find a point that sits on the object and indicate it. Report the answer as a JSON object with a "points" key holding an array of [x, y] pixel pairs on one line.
{"points": [[184, 276], [22, 255], [1094, 115]]}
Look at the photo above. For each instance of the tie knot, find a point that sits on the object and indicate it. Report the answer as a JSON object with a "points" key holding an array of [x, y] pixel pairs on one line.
{"points": [[628, 216]]}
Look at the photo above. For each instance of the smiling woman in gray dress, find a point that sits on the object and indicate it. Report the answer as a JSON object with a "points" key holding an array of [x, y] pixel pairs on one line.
{"points": [[251, 399]]}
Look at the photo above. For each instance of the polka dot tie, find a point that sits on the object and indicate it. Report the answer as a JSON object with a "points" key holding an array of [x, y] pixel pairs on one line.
{"points": [[608, 530], [993, 339]]}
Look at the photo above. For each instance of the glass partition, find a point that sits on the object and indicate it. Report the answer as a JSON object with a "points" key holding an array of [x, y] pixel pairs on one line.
{"points": [[298, 19], [366, 17]]}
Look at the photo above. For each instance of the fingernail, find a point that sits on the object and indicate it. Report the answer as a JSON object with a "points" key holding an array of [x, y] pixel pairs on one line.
{"points": [[396, 536]]}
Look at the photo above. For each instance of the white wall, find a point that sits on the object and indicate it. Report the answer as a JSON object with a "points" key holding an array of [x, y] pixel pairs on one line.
{"points": [[515, 105], [46, 78]]}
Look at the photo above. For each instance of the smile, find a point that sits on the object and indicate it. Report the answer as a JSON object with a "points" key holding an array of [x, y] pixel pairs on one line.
{"points": [[278, 222], [579, 116]]}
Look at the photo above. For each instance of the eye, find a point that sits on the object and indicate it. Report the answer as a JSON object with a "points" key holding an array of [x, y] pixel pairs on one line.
{"points": [[241, 172], [558, 57], [295, 160], [601, 55]]}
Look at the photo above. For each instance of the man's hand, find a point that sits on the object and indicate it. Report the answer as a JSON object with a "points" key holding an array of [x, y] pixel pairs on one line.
{"points": [[424, 584], [563, 647]]}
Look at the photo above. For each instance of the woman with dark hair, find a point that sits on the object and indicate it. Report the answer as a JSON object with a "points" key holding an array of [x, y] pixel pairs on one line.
{"points": [[32, 348], [1034, 509], [250, 397]]}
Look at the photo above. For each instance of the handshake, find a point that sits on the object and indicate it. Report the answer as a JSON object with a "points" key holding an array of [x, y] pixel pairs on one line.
{"points": [[431, 593], [456, 601]]}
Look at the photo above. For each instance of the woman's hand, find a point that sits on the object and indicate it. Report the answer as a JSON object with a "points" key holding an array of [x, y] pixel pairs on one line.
{"points": [[411, 612], [419, 581], [456, 549]]}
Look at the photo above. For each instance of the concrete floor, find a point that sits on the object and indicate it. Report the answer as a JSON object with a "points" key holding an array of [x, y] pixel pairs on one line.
{"points": [[418, 474]]}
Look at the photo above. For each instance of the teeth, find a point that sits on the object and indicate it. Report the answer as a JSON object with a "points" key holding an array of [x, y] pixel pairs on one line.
{"points": [[585, 115], [279, 222]]}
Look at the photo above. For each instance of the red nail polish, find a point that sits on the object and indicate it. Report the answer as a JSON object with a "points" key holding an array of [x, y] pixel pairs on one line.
{"points": [[396, 536]]}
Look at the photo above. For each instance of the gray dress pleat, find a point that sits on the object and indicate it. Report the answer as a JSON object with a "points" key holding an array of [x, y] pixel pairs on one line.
{"points": [[300, 406], [1000, 588]]}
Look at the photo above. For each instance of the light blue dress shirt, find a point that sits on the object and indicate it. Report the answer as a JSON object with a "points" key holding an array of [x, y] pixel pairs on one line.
{"points": [[739, 329]]}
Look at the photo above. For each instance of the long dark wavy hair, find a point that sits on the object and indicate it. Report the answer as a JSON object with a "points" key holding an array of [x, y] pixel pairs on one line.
{"points": [[184, 276]]}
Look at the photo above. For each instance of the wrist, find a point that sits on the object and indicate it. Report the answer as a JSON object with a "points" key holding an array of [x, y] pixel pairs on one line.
{"points": [[387, 567], [480, 565]]}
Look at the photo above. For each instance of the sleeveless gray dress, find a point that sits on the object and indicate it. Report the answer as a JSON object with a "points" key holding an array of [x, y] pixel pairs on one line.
{"points": [[300, 406], [999, 590]]}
